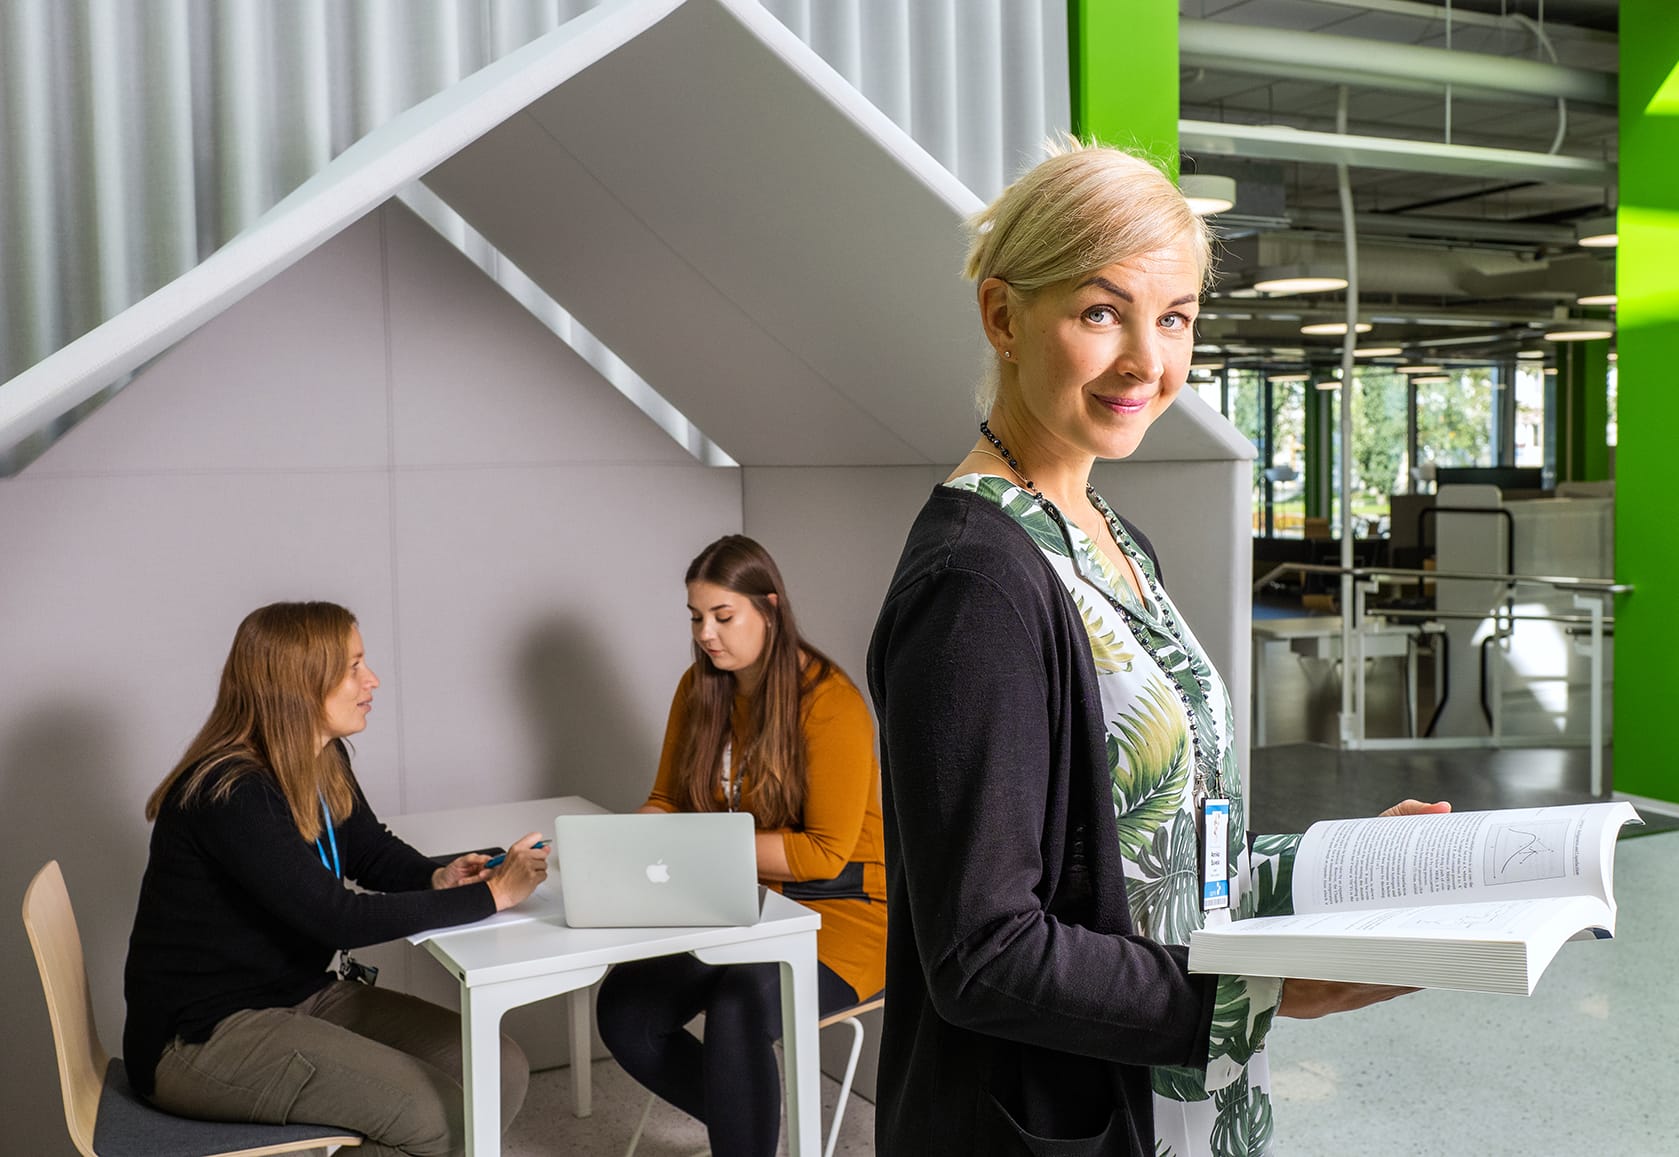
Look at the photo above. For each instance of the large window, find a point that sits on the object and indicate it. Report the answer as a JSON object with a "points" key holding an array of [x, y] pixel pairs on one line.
{"points": [[1530, 415], [1454, 418], [1380, 467]]}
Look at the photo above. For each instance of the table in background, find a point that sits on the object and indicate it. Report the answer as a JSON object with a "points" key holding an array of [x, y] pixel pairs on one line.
{"points": [[1319, 637], [502, 966]]}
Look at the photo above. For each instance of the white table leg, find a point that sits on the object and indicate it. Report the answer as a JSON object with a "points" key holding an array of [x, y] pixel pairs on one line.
{"points": [[482, 1007], [582, 1046], [797, 956]]}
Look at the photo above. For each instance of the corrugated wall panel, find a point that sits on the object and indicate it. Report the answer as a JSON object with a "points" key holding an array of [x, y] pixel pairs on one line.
{"points": [[136, 139]]}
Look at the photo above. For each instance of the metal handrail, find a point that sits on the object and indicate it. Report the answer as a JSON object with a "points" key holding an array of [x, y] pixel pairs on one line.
{"points": [[1594, 596], [1560, 582]]}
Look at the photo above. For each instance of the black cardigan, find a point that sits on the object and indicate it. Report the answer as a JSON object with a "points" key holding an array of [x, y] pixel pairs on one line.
{"points": [[237, 911], [1023, 1009]]}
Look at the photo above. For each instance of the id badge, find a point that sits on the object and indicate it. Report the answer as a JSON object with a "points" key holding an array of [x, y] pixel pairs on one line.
{"points": [[1215, 844]]}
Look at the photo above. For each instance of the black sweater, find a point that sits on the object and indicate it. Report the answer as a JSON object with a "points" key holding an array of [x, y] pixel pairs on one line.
{"points": [[1022, 1007], [237, 911]]}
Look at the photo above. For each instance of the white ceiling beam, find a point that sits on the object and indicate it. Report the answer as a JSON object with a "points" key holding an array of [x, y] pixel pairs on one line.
{"points": [[1284, 53], [1281, 143]]}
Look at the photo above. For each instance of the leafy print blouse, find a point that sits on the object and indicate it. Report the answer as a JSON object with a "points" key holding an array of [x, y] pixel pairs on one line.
{"points": [[1170, 743]]}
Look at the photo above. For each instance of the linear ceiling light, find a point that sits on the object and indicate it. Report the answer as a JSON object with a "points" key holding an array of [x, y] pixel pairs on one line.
{"points": [[1597, 232], [1529, 355], [1581, 331], [1596, 299], [1208, 194], [1377, 351], [1319, 328], [1419, 369], [1289, 378], [1432, 379]]}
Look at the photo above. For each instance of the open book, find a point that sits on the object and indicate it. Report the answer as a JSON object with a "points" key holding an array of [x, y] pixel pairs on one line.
{"points": [[1470, 900]]}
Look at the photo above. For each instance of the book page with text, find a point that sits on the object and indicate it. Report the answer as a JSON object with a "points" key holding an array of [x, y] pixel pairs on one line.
{"points": [[1525, 853]]}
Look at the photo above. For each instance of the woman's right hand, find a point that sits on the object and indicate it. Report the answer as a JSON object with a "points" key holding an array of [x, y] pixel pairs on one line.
{"points": [[524, 868]]}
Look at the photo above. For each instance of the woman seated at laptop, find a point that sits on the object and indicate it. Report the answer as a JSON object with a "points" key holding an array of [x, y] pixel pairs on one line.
{"points": [[232, 1015], [765, 723]]}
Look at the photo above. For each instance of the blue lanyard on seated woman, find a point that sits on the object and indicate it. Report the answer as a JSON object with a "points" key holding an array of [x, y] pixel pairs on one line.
{"points": [[349, 968]]}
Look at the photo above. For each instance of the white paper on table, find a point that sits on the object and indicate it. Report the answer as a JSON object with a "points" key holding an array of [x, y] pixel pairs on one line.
{"points": [[542, 904]]}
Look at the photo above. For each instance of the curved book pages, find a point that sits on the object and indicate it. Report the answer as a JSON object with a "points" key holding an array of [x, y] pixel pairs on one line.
{"points": [[1479, 901]]}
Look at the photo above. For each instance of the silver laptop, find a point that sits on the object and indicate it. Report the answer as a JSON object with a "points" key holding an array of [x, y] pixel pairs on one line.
{"points": [[687, 870]]}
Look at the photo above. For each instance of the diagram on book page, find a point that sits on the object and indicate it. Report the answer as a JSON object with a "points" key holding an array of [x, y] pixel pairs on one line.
{"points": [[1523, 851]]}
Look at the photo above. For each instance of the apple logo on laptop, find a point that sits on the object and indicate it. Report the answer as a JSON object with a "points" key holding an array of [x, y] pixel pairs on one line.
{"points": [[658, 873]]}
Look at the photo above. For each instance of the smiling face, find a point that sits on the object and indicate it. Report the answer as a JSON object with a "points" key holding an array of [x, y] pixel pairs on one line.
{"points": [[728, 627], [347, 704], [1096, 359]]}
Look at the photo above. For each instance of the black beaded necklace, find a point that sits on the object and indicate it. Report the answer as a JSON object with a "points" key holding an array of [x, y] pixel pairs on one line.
{"points": [[1208, 773]]}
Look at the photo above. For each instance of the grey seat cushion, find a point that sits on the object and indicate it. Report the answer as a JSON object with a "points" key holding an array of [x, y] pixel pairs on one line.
{"points": [[128, 1126]]}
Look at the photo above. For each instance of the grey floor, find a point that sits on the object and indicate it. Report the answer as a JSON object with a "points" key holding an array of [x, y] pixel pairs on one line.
{"points": [[1587, 1065], [546, 1127]]}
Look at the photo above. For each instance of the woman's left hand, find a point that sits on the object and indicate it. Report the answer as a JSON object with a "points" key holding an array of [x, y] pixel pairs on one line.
{"points": [[467, 869], [1414, 807]]}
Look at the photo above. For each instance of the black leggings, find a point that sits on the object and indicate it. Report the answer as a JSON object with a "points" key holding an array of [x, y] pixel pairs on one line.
{"points": [[729, 1082]]}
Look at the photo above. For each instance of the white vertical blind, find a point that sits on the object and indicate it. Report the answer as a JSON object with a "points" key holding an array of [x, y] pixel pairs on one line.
{"points": [[136, 136]]}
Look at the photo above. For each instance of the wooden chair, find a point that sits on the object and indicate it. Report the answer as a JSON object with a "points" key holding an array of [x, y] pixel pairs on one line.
{"points": [[105, 1116], [848, 1016]]}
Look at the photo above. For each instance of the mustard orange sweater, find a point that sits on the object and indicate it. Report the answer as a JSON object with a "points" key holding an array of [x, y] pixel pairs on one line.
{"points": [[837, 852]]}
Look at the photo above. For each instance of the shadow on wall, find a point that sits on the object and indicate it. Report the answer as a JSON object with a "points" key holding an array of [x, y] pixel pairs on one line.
{"points": [[60, 799], [588, 723]]}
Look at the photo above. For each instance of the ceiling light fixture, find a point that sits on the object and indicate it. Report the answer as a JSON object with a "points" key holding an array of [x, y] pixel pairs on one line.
{"points": [[1209, 367], [1431, 379], [1597, 232], [1284, 378], [1596, 299], [1296, 279], [1581, 331], [1530, 355], [1322, 328], [1377, 351], [1328, 384], [1208, 194], [1419, 369]]}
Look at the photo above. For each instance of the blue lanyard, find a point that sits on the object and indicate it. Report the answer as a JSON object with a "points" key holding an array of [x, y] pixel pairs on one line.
{"points": [[332, 840]]}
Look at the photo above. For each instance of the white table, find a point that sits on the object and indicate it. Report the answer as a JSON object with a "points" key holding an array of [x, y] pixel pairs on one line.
{"points": [[502, 966], [1319, 637]]}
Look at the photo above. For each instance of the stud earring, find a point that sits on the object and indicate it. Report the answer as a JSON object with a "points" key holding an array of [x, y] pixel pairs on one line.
{"points": [[1008, 353]]}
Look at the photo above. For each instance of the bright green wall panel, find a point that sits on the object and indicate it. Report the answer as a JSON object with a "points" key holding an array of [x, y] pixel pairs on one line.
{"points": [[1646, 467], [1125, 75]]}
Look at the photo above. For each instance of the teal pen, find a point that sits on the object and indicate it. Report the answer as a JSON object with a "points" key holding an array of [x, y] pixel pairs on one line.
{"points": [[495, 861]]}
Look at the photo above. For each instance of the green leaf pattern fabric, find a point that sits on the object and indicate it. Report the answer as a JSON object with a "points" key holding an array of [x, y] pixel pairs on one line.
{"points": [[1148, 665]]}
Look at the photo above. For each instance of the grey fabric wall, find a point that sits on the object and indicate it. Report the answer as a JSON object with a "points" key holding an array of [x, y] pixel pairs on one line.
{"points": [[378, 426]]}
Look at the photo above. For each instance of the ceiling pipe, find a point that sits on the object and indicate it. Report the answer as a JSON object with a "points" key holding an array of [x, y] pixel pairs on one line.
{"points": [[1383, 64], [1439, 228], [1281, 143], [1466, 16]]}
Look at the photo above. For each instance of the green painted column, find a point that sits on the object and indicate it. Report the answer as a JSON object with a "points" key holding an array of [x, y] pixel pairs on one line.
{"points": [[1124, 61], [1583, 374], [1318, 446], [1647, 323]]}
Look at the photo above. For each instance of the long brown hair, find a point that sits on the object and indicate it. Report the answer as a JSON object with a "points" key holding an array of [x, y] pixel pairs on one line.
{"points": [[270, 712], [771, 764]]}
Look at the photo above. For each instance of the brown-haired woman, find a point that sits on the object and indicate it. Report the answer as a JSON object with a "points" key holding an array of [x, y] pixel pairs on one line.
{"points": [[765, 723], [231, 1012]]}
